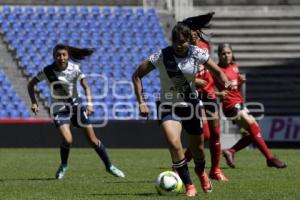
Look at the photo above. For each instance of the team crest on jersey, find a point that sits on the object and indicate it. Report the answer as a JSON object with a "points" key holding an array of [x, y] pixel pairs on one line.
{"points": [[70, 76], [235, 69]]}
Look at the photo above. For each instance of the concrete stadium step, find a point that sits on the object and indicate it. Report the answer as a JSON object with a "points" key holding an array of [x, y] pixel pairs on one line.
{"points": [[255, 63], [255, 39], [278, 89], [256, 31], [267, 72], [266, 47], [259, 22], [267, 55], [251, 12], [275, 93]]}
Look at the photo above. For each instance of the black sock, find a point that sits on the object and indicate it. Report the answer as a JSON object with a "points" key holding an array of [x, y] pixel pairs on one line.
{"points": [[199, 166], [64, 153], [100, 149], [183, 171]]}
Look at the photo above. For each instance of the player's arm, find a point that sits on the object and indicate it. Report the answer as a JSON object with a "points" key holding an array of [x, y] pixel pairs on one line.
{"points": [[200, 83], [221, 95], [137, 76], [30, 88], [88, 94], [218, 73], [242, 79]]}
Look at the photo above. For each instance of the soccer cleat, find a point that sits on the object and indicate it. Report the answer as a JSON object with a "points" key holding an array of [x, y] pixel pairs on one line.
{"points": [[60, 173], [218, 175], [274, 162], [229, 157], [190, 190], [115, 171], [205, 182]]}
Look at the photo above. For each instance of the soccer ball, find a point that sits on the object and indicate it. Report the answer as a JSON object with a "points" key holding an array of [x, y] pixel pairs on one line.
{"points": [[168, 183]]}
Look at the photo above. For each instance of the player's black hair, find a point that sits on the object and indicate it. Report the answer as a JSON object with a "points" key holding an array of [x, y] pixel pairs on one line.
{"points": [[198, 22], [225, 45], [75, 53], [181, 29]]}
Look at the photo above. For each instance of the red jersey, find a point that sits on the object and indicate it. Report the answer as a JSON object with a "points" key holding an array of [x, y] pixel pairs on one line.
{"points": [[233, 96], [208, 90], [204, 45]]}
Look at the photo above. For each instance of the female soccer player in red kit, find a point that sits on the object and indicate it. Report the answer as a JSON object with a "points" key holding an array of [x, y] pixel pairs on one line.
{"points": [[232, 103], [205, 86]]}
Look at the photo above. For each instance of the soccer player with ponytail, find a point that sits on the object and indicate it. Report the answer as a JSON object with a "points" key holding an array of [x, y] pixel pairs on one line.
{"points": [[179, 105], [205, 86], [66, 106]]}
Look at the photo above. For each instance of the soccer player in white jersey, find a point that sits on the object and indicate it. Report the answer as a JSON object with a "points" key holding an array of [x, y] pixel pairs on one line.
{"points": [[178, 107], [66, 104]]}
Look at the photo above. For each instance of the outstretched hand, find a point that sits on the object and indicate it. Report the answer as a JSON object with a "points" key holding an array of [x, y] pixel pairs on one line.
{"points": [[144, 110], [35, 108], [89, 110]]}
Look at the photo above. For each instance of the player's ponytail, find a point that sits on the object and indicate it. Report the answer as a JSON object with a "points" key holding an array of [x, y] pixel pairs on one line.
{"points": [[199, 22], [75, 53]]}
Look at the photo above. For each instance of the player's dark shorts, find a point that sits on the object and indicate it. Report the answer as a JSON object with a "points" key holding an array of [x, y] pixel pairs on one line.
{"points": [[192, 125], [210, 105], [77, 116], [232, 113]]}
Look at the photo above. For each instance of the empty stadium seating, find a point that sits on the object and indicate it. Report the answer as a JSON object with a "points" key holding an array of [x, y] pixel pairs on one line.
{"points": [[122, 37], [11, 105]]}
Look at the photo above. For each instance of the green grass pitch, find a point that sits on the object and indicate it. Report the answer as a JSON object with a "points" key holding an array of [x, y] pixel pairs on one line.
{"points": [[29, 174]]}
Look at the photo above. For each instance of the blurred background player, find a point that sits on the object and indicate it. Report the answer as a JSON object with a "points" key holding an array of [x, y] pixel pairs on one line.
{"points": [[178, 65], [205, 86], [232, 104], [62, 76]]}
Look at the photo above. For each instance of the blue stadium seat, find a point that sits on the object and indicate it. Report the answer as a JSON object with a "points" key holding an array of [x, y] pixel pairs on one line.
{"points": [[123, 37]]}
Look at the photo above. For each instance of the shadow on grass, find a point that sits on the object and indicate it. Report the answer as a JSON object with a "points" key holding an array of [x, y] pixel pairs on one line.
{"points": [[191, 168], [27, 179], [126, 194], [127, 181]]}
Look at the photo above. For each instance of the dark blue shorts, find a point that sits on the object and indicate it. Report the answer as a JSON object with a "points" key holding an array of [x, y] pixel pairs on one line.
{"points": [[77, 117], [189, 117]]}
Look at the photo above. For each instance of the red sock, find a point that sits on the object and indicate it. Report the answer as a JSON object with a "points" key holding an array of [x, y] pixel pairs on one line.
{"points": [[215, 147], [188, 155], [258, 140], [205, 131], [241, 144]]}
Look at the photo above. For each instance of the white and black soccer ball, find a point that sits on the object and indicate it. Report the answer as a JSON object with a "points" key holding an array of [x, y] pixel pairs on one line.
{"points": [[168, 183]]}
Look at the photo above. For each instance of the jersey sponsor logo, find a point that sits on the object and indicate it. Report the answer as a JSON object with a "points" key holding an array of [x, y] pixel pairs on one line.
{"points": [[235, 69]]}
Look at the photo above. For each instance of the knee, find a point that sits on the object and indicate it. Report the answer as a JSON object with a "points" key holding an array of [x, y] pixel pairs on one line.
{"points": [[94, 142], [198, 153], [68, 141], [175, 144]]}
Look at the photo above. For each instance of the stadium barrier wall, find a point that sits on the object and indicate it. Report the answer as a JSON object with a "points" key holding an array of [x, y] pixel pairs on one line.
{"points": [[117, 134]]}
